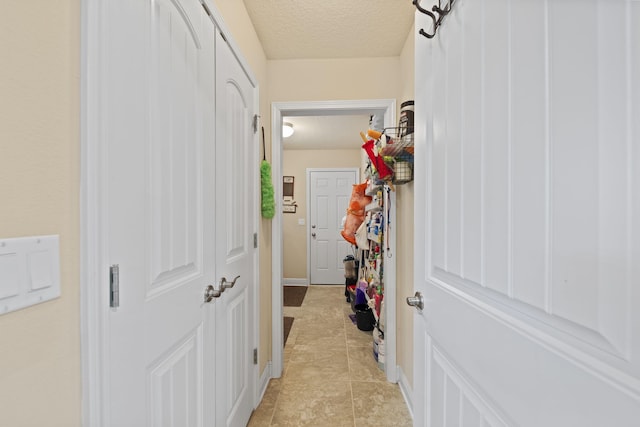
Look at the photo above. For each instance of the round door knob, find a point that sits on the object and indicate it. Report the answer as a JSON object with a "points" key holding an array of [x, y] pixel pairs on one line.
{"points": [[416, 301], [313, 234]]}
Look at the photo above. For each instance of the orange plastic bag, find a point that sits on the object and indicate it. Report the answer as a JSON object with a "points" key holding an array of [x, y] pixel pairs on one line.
{"points": [[355, 212]]}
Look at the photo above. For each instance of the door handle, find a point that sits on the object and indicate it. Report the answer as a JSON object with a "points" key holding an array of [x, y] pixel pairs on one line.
{"points": [[226, 285], [416, 301], [313, 226], [313, 235], [210, 293]]}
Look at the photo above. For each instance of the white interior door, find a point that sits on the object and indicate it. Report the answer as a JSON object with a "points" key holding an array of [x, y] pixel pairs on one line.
{"points": [[329, 195], [236, 257], [528, 245], [159, 219]]}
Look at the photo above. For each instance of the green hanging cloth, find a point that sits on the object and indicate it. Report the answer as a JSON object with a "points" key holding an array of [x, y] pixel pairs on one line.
{"points": [[268, 201]]}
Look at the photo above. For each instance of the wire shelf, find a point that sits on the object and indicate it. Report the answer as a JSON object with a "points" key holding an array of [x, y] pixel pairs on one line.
{"points": [[397, 144]]}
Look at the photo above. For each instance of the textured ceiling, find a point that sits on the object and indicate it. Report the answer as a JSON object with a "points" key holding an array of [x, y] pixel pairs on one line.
{"points": [[300, 29]]}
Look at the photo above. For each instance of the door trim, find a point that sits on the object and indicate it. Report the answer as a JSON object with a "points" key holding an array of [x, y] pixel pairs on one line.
{"points": [[308, 172], [387, 107], [94, 298]]}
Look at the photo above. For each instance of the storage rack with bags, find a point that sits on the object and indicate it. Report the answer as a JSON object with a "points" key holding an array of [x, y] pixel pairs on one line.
{"points": [[390, 163], [367, 294]]}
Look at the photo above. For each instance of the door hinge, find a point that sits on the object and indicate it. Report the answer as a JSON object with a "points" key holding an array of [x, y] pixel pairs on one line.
{"points": [[114, 286], [255, 356], [255, 240], [206, 8], [224, 38], [256, 117]]}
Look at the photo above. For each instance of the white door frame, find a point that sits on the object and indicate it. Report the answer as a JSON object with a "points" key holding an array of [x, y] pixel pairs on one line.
{"points": [[387, 107], [309, 170], [94, 297]]}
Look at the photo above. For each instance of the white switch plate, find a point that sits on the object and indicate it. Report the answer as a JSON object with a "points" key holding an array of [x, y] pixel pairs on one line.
{"points": [[300, 221], [29, 271]]}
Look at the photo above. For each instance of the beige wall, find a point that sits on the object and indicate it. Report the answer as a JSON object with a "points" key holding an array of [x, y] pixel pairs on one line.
{"points": [[295, 163], [404, 248], [39, 187], [333, 79]]}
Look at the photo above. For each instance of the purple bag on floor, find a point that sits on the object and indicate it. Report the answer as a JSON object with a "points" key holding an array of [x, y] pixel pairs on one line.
{"points": [[360, 297]]}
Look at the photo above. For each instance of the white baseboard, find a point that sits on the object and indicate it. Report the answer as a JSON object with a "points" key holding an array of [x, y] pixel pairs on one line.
{"points": [[263, 382], [406, 390], [295, 282]]}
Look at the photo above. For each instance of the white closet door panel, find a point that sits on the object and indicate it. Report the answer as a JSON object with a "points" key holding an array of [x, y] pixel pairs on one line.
{"points": [[633, 128], [496, 130], [439, 165], [452, 106], [614, 170], [472, 143], [175, 152], [573, 162], [529, 149]]}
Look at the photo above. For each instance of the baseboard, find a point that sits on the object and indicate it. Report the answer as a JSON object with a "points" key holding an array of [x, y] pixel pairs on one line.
{"points": [[263, 383], [295, 282], [406, 390]]}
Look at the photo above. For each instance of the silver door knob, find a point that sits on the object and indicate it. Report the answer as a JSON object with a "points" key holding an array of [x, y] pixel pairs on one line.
{"points": [[210, 293], [416, 301], [313, 226], [313, 234], [226, 285]]}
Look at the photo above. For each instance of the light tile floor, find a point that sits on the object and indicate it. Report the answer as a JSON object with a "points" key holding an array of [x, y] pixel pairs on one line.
{"points": [[330, 377]]}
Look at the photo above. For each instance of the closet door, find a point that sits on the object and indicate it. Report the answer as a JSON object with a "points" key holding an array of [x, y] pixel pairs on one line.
{"points": [[528, 244], [236, 169], [157, 214]]}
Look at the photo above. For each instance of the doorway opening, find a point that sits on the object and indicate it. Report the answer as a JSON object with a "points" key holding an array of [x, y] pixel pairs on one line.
{"points": [[382, 107]]}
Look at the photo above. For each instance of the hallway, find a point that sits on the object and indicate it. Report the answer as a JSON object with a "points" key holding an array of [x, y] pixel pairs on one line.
{"points": [[330, 377]]}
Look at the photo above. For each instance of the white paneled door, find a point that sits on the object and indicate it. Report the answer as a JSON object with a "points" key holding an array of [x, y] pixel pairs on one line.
{"points": [[329, 195], [176, 177], [235, 222], [159, 222], [527, 221]]}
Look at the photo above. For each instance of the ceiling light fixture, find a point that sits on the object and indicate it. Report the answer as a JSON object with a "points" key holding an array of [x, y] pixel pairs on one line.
{"points": [[287, 129]]}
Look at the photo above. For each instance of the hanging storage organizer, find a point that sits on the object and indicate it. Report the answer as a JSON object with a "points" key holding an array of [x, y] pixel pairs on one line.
{"points": [[396, 149]]}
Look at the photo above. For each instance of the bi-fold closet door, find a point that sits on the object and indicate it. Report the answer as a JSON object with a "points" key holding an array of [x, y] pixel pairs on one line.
{"points": [[177, 214]]}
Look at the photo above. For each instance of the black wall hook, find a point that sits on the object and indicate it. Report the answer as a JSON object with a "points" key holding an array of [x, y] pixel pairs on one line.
{"points": [[437, 20], [416, 3]]}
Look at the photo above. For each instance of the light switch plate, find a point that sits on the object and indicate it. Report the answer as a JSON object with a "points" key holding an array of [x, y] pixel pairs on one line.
{"points": [[300, 221], [29, 271]]}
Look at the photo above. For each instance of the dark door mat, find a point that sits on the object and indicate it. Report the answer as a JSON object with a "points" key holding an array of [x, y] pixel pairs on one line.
{"points": [[293, 295], [287, 322]]}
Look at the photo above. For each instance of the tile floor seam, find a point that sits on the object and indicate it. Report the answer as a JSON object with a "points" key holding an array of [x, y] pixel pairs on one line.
{"points": [[275, 405], [346, 339]]}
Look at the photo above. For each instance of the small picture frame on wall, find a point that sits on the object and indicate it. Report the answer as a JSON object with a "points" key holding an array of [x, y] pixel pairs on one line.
{"points": [[289, 208], [287, 186]]}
